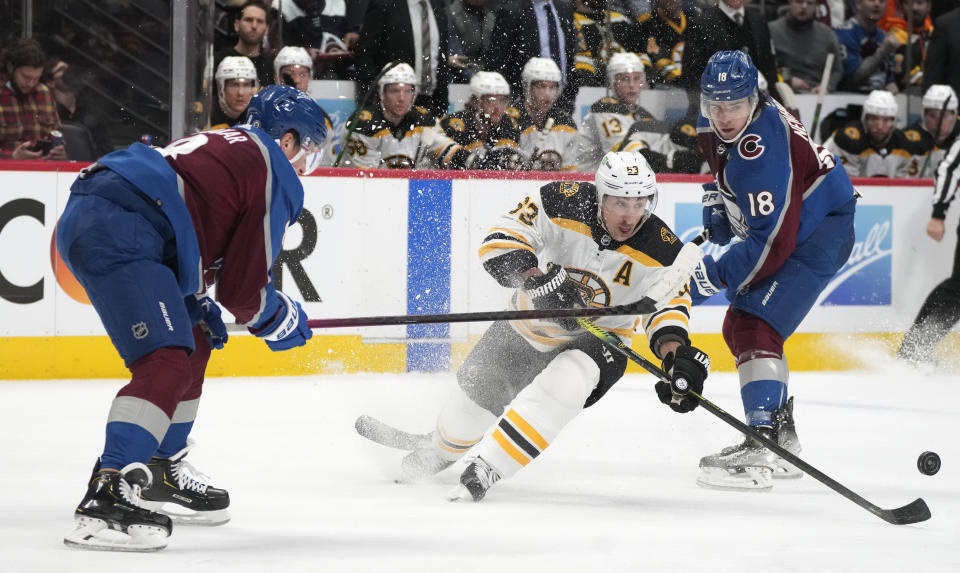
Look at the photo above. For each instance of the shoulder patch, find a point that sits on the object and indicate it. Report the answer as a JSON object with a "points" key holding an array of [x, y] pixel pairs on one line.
{"points": [[456, 124], [667, 236], [852, 132], [688, 129], [512, 112], [569, 188], [912, 135], [422, 110], [364, 115]]}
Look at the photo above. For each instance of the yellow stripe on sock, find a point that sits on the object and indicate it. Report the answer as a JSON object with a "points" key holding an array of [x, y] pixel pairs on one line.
{"points": [[527, 429], [511, 449]]}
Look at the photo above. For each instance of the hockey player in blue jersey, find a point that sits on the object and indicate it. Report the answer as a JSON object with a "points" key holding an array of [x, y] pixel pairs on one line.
{"points": [[791, 204], [146, 231]]}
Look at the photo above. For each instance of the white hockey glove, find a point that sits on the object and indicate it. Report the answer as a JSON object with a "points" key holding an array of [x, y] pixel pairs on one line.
{"points": [[675, 277]]}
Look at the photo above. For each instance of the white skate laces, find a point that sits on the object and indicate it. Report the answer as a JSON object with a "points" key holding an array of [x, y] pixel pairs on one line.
{"points": [[188, 477]]}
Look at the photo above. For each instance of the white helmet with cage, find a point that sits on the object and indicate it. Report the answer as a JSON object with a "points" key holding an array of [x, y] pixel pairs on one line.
{"points": [[625, 174], [623, 63], [399, 74], [235, 68], [292, 56], [939, 94], [881, 103], [540, 69], [488, 83]]}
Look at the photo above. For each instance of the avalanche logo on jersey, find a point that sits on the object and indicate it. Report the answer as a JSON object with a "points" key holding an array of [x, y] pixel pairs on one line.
{"points": [[593, 289], [749, 146]]}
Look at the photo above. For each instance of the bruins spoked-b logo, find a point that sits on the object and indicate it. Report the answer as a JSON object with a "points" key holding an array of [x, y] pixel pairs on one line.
{"points": [[140, 330], [594, 291]]}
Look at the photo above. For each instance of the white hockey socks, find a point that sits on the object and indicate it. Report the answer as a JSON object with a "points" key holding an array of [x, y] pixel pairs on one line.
{"points": [[460, 425], [539, 412]]}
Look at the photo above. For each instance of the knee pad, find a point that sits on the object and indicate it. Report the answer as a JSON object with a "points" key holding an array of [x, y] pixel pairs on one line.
{"points": [[749, 337], [570, 377]]}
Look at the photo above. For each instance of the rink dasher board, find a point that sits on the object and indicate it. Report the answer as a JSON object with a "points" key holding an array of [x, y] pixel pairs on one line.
{"points": [[406, 242]]}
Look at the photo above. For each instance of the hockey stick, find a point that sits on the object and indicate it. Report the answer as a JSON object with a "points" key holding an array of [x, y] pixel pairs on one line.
{"points": [[913, 512], [926, 161], [824, 80], [386, 435]]}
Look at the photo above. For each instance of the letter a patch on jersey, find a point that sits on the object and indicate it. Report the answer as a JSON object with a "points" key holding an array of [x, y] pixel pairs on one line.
{"points": [[623, 274]]}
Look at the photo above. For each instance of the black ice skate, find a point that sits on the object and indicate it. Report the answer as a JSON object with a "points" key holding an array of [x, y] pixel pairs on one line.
{"points": [[474, 481], [185, 494], [750, 466], [424, 461], [110, 517]]}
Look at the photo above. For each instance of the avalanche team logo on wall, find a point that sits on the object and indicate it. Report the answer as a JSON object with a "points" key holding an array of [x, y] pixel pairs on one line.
{"points": [[865, 279]]}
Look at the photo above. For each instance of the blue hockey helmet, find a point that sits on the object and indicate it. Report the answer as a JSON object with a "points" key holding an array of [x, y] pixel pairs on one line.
{"points": [[728, 76], [278, 109]]}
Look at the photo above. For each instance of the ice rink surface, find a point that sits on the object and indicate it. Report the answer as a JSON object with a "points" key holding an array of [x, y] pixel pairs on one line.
{"points": [[615, 492]]}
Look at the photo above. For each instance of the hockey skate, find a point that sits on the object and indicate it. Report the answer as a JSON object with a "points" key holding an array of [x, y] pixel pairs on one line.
{"points": [[750, 466], [474, 481], [110, 518], [424, 461], [185, 494]]}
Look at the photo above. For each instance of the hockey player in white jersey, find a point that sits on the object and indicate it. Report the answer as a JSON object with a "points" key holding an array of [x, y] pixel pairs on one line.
{"points": [[395, 134], [484, 127], [793, 207], [929, 138], [548, 135], [610, 117], [566, 244], [872, 146]]}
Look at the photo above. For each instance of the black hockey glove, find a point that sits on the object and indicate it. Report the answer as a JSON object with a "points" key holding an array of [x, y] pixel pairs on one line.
{"points": [[553, 291], [688, 368]]}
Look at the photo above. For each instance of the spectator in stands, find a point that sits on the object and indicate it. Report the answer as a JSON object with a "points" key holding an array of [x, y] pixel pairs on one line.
{"points": [[548, 135], [533, 28], [899, 17], [408, 31], [394, 134], [251, 27], [293, 66], [630, 8], [730, 25], [600, 33], [610, 117], [802, 47], [871, 146], [470, 29], [356, 10], [930, 136], [868, 64], [943, 54], [28, 112], [237, 81], [664, 35], [484, 127], [66, 84]]}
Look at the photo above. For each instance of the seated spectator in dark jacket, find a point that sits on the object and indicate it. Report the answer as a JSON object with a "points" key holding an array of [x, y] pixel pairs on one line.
{"points": [[66, 83], [28, 112], [251, 27], [802, 47], [470, 29]]}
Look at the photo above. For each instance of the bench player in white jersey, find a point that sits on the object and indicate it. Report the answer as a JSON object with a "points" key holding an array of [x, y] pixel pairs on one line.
{"points": [[395, 134], [293, 67], [929, 138], [548, 135], [873, 146], [566, 244], [610, 117], [484, 127]]}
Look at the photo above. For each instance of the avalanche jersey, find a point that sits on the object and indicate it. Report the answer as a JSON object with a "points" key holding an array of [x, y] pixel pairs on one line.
{"points": [[602, 128], [777, 186], [547, 150], [923, 155], [229, 194], [862, 158], [416, 142], [558, 224]]}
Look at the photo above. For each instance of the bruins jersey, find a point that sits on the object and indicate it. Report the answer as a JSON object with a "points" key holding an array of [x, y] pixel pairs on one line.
{"points": [[547, 150], [861, 158], [498, 150], [920, 146], [604, 126], [558, 224], [663, 39], [667, 148], [596, 42], [416, 142]]}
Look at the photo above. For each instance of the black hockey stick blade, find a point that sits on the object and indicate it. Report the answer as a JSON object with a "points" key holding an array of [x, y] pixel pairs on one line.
{"points": [[386, 435], [914, 512]]}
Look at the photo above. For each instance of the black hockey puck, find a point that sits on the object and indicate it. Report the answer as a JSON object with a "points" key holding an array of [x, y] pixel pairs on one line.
{"points": [[928, 463]]}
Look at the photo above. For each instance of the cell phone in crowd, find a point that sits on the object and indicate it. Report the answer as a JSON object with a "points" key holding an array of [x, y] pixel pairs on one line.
{"points": [[43, 145]]}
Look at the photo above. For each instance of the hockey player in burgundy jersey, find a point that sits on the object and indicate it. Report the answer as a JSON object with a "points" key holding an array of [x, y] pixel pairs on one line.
{"points": [[791, 204], [146, 231]]}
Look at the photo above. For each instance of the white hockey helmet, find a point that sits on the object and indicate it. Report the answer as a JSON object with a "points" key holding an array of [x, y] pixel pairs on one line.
{"points": [[292, 56], [881, 103], [625, 174], [488, 83], [937, 95], [235, 68], [623, 63], [540, 69], [399, 74]]}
